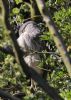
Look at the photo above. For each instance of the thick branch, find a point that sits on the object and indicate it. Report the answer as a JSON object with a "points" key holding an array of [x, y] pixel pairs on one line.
{"points": [[56, 36], [33, 74]]}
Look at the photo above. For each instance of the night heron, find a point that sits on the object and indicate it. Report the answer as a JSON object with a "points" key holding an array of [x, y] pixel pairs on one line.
{"points": [[29, 42]]}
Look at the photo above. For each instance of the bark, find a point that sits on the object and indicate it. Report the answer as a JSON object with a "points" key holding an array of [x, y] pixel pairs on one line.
{"points": [[56, 36]]}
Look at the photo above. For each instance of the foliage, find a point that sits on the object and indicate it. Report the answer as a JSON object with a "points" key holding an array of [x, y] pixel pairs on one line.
{"points": [[62, 18], [57, 76]]}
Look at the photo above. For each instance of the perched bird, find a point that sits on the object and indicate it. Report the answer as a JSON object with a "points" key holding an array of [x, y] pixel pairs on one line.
{"points": [[30, 43]]}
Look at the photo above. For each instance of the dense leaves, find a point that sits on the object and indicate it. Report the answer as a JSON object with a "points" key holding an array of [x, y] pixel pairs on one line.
{"points": [[10, 77]]}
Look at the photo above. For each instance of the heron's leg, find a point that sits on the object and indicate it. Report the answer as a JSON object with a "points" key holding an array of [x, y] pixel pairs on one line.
{"points": [[33, 86]]}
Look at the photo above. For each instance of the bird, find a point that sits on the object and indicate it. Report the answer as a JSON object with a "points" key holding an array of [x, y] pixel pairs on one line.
{"points": [[30, 43]]}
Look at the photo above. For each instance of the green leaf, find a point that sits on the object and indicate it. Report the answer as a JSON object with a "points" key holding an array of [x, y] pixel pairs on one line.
{"points": [[18, 1], [15, 11]]}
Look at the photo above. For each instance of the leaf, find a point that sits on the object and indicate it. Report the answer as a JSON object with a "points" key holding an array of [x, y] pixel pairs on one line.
{"points": [[15, 11], [18, 1]]}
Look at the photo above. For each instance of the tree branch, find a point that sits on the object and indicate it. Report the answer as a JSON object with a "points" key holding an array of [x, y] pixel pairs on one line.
{"points": [[56, 36], [32, 73]]}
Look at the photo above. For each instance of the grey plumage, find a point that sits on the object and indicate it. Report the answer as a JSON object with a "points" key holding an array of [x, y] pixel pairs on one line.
{"points": [[29, 42], [29, 37]]}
